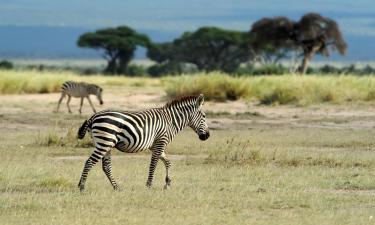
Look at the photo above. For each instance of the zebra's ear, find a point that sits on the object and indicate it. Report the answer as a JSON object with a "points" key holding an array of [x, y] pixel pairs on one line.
{"points": [[200, 100]]}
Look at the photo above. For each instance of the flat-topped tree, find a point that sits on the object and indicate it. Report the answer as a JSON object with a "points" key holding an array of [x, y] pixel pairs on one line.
{"points": [[274, 38], [318, 35], [118, 45]]}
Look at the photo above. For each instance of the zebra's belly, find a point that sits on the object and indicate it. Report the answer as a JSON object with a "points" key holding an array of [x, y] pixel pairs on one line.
{"points": [[124, 147], [77, 93]]}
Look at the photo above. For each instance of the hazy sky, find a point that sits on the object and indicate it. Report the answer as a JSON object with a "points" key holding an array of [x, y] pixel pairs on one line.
{"points": [[355, 17]]}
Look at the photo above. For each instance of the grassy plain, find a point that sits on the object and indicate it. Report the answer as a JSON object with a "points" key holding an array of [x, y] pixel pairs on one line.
{"points": [[262, 164]]}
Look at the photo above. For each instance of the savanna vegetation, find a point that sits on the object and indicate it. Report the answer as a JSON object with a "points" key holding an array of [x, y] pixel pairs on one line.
{"points": [[284, 164], [216, 49], [310, 165], [287, 89]]}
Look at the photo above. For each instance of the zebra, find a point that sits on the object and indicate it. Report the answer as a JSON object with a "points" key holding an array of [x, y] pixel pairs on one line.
{"points": [[80, 90], [133, 132]]}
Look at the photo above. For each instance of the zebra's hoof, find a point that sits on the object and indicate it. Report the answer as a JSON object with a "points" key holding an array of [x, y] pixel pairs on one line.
{"points": [[117, 188], [149, 184], [166, 187]]}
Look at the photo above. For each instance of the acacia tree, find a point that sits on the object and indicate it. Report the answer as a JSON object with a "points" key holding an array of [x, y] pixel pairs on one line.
{"points": [[118, 45], [209, 48], [317, 34], [312, 34]]}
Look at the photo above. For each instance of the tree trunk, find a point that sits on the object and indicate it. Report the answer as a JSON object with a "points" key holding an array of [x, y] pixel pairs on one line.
{"points": [[111, 66], [305, 61], [308, 55], [123, 61]]}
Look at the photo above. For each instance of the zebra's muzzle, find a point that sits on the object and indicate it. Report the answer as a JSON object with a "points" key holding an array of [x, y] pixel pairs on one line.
{"points": [[204, 136], [101, 102]]}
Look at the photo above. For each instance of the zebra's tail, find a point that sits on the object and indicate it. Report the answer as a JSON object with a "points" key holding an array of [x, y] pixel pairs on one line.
{"points": [[84, 127]]}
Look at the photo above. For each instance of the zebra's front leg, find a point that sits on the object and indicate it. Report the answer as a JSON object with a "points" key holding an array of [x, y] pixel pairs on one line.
{"points": [[107, 168], [92, 106], [95, 157], [154, 161], [80, 108], [167, 165]]}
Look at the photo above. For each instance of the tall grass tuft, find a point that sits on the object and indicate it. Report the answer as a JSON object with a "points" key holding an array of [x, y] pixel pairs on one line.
{"points": [[62, 138], [215, 86]]}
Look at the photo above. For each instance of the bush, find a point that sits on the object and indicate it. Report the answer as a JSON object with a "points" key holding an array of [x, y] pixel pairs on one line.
{"points": [[6, 65], [136, 70]]}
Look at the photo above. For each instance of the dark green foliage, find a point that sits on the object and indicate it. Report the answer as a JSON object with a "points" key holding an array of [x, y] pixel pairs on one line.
{"points": [[118, 44], [7, 65], [136, 70], [328, 69], [209, 48], [266, 69], [272, 38]]}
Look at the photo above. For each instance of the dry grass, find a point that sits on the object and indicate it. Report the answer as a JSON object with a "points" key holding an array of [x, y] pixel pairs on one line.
{"points": [[23, 82], [265, 173], [287, 89]]}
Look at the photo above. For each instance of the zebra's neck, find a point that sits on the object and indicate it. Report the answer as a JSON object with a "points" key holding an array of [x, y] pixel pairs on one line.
{"points": [[178, 116], [91, 89]]}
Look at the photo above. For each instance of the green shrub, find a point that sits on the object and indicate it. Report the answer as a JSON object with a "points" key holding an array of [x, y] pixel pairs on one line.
{"points": [[136, 70], [7, 65]]}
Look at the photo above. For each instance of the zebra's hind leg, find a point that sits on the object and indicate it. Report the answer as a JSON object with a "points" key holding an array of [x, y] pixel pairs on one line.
{"points": [[167, 164], [61, 98], [107, 168], [95, 157]]}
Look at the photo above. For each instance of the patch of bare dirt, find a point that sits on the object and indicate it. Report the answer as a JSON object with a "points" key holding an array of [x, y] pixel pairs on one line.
{"points": [[28, 107]]}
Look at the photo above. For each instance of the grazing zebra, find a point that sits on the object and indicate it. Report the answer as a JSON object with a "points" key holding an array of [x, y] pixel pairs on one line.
{"points": [[132, 132], [80, 90]]}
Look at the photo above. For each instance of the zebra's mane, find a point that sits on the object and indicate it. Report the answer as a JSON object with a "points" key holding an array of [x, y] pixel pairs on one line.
{"points": [[185, 99]]}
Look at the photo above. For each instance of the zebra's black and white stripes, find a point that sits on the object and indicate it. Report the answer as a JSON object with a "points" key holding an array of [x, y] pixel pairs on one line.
{"points": [[132, 132], [80, 90]]}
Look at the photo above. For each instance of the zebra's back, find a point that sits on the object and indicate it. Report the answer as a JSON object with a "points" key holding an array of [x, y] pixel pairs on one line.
{"points": [[75, 89]]}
